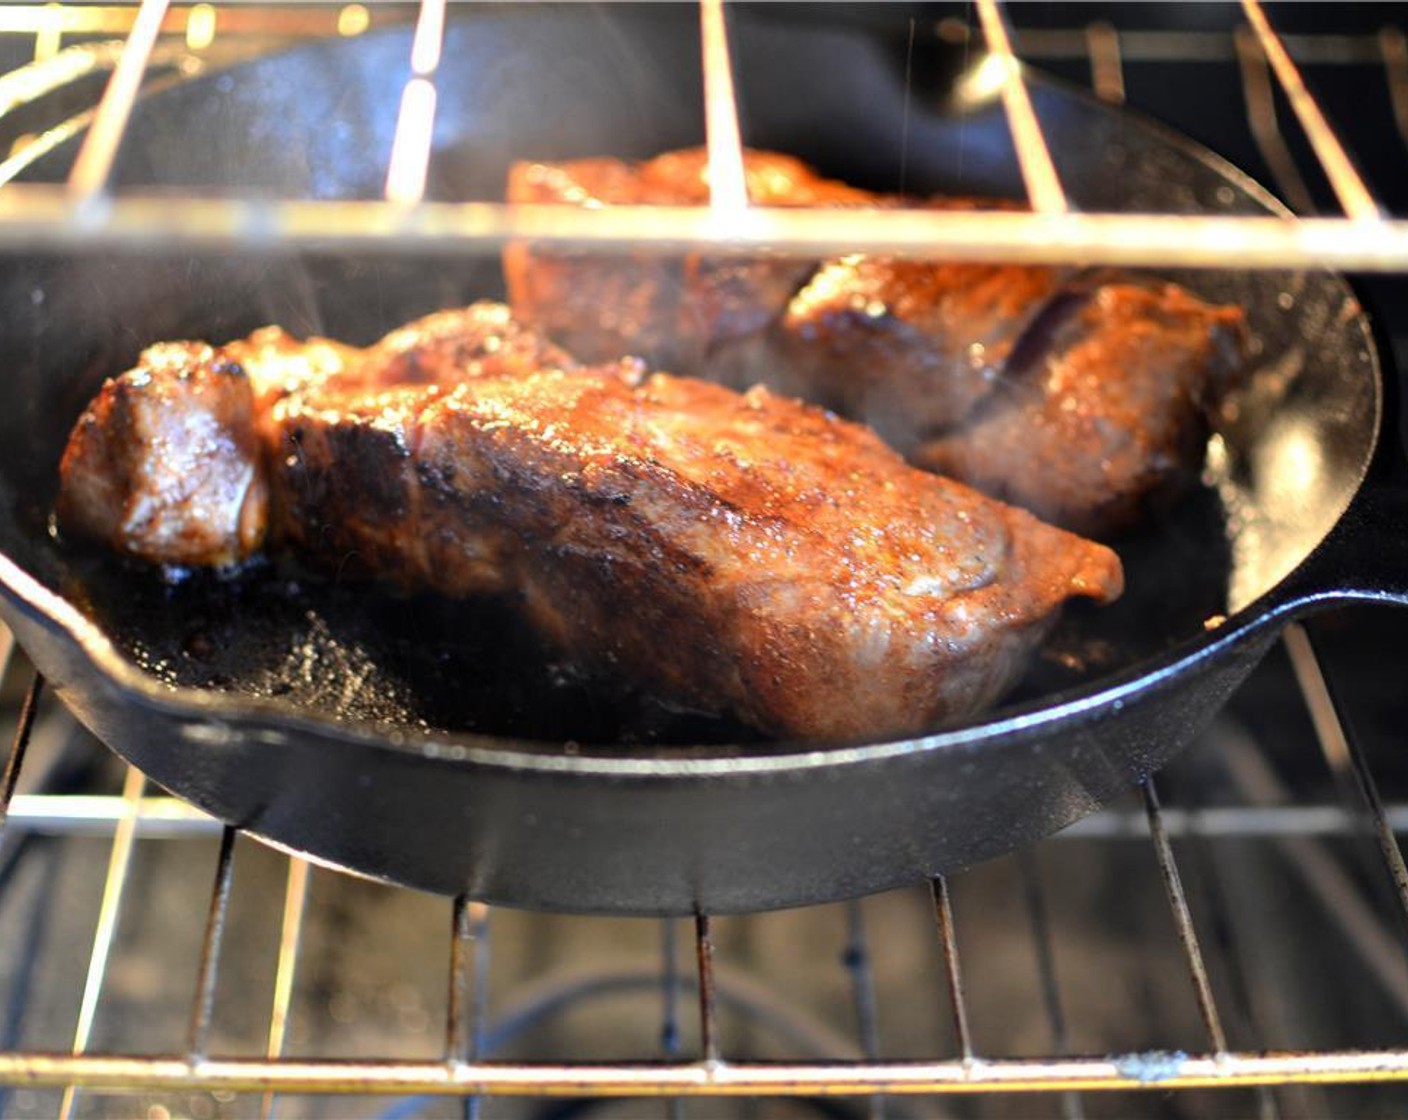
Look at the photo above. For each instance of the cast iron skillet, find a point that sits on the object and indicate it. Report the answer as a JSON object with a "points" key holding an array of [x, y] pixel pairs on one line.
{"points": [[435, 745]]}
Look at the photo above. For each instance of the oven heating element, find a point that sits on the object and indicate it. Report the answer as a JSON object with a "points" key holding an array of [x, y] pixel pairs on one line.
{"points": [[82, 215]]}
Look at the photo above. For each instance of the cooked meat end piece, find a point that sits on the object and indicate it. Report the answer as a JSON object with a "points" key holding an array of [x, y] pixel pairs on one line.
{"points": [[736, 552], [675, 312], [1111, 412], [170, 463], [908, 347], [165, 463]]}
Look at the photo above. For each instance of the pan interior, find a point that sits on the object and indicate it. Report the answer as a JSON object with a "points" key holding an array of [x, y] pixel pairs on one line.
{"points": [[317, 121]]}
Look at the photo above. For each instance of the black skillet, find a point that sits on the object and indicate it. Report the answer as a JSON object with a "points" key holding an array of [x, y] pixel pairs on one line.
{"points": [[434, 744]]}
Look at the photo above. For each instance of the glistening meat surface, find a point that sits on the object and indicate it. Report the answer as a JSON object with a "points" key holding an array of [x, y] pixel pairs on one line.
{"points": [[1108, 414], [683, 314], [737, 552], [930, 354]]}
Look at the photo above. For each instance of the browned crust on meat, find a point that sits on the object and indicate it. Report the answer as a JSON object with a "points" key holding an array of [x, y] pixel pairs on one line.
{"points": [[1112, 415], [922, 351], [736, 551], [908, 347], [674, 312], [165, 463]]}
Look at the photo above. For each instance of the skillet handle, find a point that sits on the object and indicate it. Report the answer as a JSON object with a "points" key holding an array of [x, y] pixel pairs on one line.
{"points": [[1363, 560]]}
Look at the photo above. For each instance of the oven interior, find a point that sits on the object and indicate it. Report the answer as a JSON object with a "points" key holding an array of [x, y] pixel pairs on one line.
{"points": [[1229, 941]]}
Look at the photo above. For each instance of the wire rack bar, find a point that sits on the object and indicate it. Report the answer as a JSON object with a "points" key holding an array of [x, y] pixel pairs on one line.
{"points": [[728, 183], [1349, 187], [708, 996], [1102, 43], [1341, 897], [1195, 46], [7, 649], [953, 969], [409, 163], [1343, 753], [95, 157], [1227, 933], [203, 1006], [24, 728], [670, 981], [290, 940], [35, 216], [470, 923], [1394, 48], [1258, 95], [1183, 919], [284, 19], [1033, 154], [1042, 944], [256, 18], [855, 959], [1161, 1071], [670, 984], [468, 1004], [109, 910]]}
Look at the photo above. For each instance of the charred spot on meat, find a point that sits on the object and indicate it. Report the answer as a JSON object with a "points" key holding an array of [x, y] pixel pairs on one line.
{"points": [[739, 552]]}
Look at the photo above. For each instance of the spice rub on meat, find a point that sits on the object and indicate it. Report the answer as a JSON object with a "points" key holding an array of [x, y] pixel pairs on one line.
{"points": [[738, 552], [927, 353]]}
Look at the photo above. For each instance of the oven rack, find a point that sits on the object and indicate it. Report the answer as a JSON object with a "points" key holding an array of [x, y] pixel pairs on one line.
{"points": [[57, 220], [137, 812], [84, 213]]}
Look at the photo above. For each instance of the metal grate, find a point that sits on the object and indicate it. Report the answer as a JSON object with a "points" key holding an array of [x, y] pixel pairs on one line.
{"points": [[83, 213], [462, 1072]]}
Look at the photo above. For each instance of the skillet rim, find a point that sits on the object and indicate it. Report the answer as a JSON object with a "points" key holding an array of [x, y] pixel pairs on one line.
{"points": [[233, 715]]}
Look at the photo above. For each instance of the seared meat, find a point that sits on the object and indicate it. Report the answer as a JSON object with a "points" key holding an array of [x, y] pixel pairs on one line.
{"points": [[165, 464], [732, 551], [674, 312], [909, 347], [915, 349], [1110, 413]]}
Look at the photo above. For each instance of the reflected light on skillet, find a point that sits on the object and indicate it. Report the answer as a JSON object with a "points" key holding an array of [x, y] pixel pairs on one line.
{"points": [[200, 27], [1290, 469], [353, 20], [984, 82], [1291, 486]]}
